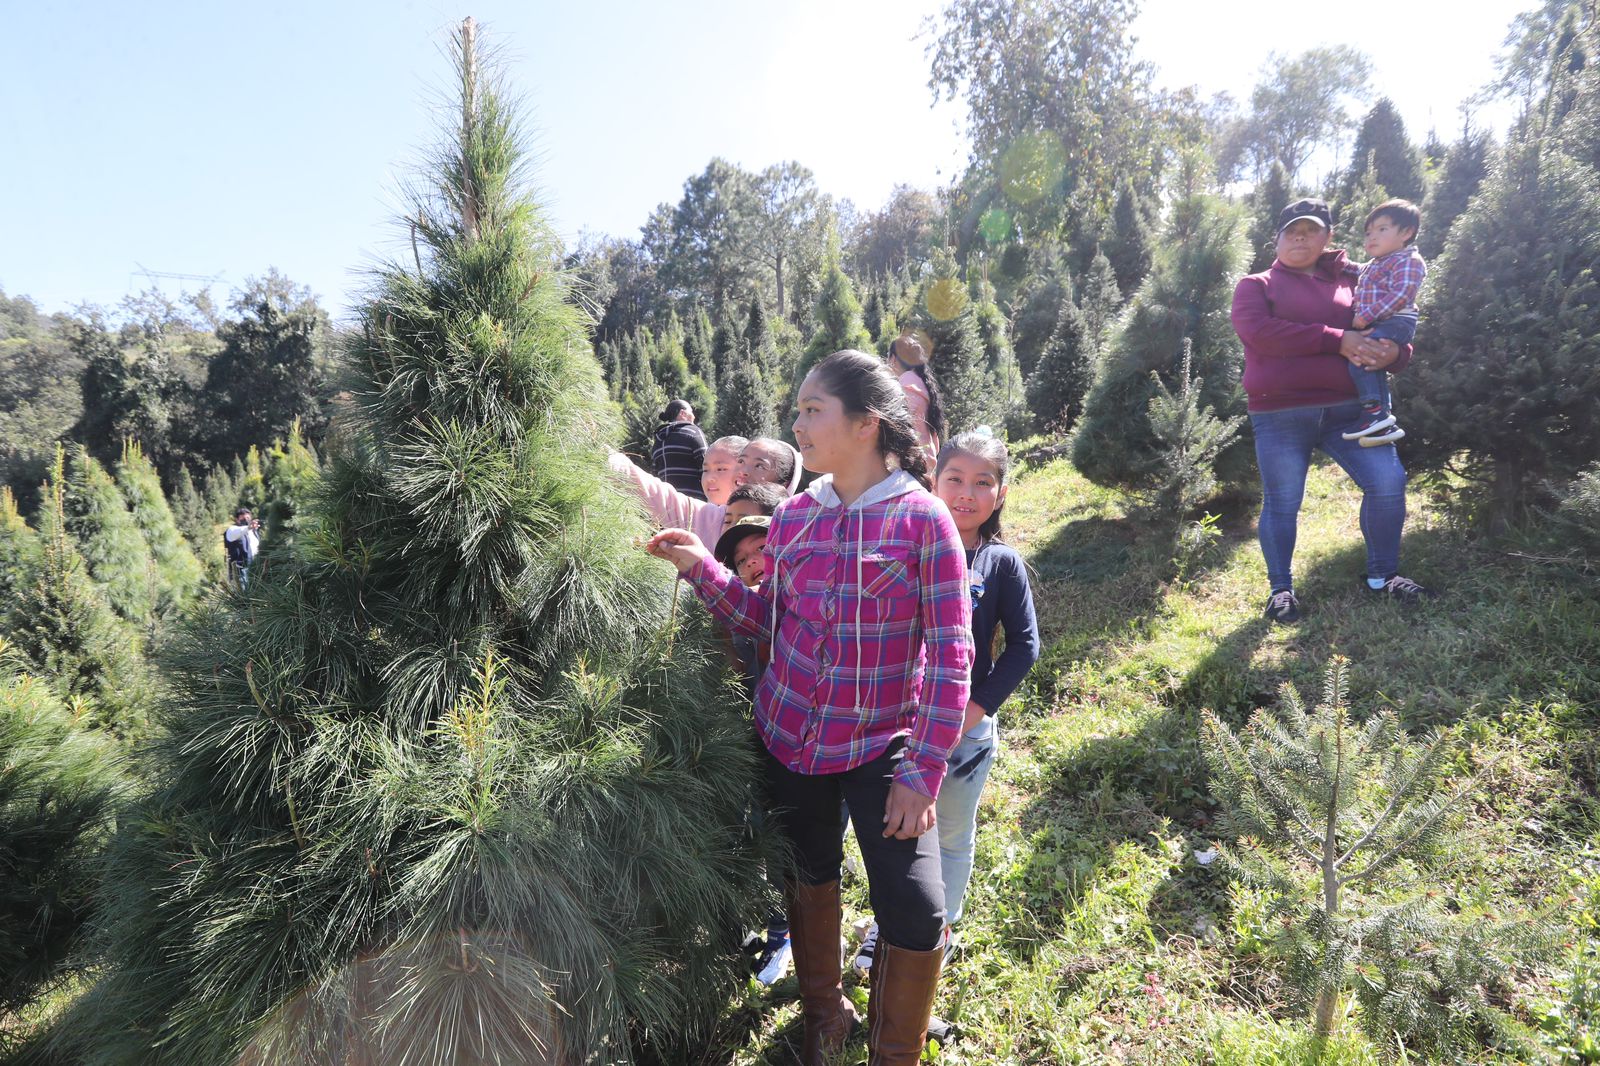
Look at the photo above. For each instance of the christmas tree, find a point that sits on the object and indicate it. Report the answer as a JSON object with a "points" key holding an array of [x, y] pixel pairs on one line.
{"points": [[1188, 295], [117, 555], [1506, 382], [1061, 379], [443, 786], [178, 572]]}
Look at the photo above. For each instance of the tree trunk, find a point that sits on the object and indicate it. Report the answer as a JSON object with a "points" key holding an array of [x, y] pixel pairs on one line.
{"points": [[1507, 493], [778, 270]]}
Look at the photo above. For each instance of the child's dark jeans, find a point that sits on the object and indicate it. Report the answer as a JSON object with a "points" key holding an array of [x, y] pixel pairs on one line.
{"points": [[1372, 386]]}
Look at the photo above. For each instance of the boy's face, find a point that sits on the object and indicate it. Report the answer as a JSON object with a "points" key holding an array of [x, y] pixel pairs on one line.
{"points": [[749, 563], [716, 476], [1384, 236], [740, 509]]}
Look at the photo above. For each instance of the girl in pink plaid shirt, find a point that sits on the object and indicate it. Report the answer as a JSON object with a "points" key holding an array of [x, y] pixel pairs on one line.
{"points": [[869, 613]]}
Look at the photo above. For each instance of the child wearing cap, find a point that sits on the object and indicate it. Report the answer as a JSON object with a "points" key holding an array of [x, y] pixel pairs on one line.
{"points": [[1386, 304]]}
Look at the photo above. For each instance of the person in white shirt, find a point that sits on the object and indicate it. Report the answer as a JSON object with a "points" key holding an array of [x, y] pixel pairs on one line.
{"points": [[241, 541]]}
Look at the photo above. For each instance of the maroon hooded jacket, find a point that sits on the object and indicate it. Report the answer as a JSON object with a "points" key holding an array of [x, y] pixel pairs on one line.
{"points": [[1291, 325]]}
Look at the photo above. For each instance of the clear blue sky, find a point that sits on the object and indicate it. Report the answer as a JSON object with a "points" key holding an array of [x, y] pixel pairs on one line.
{"points": [[227, 138]]}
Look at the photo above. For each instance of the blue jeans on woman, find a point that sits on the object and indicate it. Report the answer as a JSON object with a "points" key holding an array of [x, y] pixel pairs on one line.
{"points": [[1284, 443], [956, 810]]}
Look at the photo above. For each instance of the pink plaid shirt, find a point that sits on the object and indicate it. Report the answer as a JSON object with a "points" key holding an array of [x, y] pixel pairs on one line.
{"points": [[1389, 284], [874, 630]]}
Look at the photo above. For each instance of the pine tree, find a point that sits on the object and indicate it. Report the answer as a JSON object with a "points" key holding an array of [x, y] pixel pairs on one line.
{"points": [[697, 345], [443, 787], [19, 552], [946, 313], [292, 476], [1359, 802], [1043, 293], [201, 526], [56, 798], [1003, 388], [1350, 228], [178, 572], [221, 495], [746, 408], [759, 344], [878, 319], [117, 555], [68, 633], [836, 320], [725, 348], [1384, 152], [1128, 242], [251, 485], [1466, 164], [1506, 382], [1266, 203], [1188, 296], [1061, 379]]}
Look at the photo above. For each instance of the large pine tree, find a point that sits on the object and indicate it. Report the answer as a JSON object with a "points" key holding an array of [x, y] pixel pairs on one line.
{"points": [[1061, 380], [108, 538], [1188, 294], [1507, 372], [1466, 164], [1383, 150], [178, 571], [442, 787]]}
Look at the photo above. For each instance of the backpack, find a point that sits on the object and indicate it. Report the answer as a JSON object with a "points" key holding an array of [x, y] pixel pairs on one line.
{"points": [[235, 549]]}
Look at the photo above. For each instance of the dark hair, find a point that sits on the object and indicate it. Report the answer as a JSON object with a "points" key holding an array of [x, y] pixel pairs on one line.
{"points": [[1403, 213], [991, 450], [763, 494], [241, 509], [935, 419], [787, 457], [674, 409], [865, 385]]}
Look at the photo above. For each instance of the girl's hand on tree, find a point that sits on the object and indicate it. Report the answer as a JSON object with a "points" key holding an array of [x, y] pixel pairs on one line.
{"points": [[908, 813], [679, 547]]}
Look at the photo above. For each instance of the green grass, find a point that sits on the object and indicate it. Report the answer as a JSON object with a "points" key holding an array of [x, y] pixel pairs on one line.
{"points": [[1092, 934]]}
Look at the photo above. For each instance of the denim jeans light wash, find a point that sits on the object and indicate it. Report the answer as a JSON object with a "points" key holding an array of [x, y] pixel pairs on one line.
{"points": [[956, 810], [1284, 443]]}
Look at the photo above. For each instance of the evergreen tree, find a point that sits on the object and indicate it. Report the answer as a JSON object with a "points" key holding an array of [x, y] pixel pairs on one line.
{"points": [[836, 320], [878, 320], [19, 552], [1384, 152], [746, 408], [1350, 228], [760, 345], [1061, 379], [610, 367], [292, 475], [178, 571], [442, 787], [697, 345], [56, 797], [947, 314], [1361, 804], [1042, 296], [1128, 242], [1100, 301], [1188, 295], [1007, 397], [1266, 203], [64, 627], [725, 348], [200, 525], [251, 485], [1506, 382], [1466, 164], [112, 545], [220, 494]]}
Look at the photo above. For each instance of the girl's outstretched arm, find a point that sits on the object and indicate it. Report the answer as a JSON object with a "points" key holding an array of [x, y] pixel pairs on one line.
{"points": [[728, 600]]}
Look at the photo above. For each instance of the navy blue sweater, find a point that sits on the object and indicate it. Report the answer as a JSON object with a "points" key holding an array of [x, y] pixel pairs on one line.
{"points": [[1000, 597]]}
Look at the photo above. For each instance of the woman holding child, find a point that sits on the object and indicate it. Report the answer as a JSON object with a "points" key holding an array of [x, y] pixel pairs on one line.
{"points": [[1295, 320]]}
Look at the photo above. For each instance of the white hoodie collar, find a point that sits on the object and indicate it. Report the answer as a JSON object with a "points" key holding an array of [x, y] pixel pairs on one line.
{"points": [[897, 483]]}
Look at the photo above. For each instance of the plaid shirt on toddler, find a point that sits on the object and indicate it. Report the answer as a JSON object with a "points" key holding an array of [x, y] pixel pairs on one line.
{"points": [[1389, 285]]}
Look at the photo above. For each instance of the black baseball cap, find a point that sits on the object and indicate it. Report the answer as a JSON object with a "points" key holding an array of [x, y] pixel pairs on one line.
{"points": [[728, 543], [1316, 210]]}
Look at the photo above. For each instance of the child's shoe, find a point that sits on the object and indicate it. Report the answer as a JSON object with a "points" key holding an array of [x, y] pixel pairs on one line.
{"points": [[869, 944], [1370, 422], [775, 961], [1388, 436]]}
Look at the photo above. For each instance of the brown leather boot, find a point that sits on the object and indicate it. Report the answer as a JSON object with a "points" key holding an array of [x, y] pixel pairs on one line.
{"points": [[814, 919], [903, 987]]}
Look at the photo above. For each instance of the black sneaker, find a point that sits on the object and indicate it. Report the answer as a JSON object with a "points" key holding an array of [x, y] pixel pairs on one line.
{"points": [[1369, 423], [941, 1030], [1402, 590], [1283, 608]]}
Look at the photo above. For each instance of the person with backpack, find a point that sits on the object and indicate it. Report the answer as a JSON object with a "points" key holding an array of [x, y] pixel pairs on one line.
{"points": [[241, 541]]}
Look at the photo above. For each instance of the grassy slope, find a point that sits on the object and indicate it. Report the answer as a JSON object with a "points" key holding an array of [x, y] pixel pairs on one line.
{"points": [[1092, 933]]}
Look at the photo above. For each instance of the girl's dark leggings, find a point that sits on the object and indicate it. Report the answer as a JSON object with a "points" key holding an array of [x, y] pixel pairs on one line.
{"points": [[904, 877]]}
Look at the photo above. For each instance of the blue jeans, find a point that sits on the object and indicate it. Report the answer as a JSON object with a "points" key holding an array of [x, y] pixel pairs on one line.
{"points": [[1372, 386], [956, 810], [1284, 443]]}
